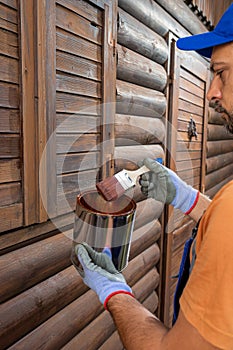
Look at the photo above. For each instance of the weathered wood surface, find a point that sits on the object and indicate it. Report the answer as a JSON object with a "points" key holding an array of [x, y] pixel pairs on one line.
{"points": [[219, 161], [140, 70], [138, 37], [218, 132], [154, 16], [182, 13], [137, 100], [103, 329], [88, 305], [218, 176], [128, 156], [215, 148], [214, 117], [38, 303], [147, 211], [131, 130], [213, 190], [33, 264], [144, 237]]}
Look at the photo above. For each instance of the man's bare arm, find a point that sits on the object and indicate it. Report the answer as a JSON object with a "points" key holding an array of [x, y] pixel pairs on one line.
{"points": [[139, 329]]}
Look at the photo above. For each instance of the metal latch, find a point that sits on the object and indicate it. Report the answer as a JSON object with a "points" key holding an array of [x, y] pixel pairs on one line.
{"points": [[192, 129]]}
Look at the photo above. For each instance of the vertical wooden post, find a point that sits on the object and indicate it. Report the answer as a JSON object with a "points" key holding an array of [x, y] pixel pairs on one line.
{"points": [[29, 137]]}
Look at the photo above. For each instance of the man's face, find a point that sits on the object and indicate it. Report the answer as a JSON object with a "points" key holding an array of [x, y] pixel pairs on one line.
{"points": [[221, 89]]}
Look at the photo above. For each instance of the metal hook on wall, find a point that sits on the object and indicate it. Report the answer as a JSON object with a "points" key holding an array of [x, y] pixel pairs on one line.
{"points": [[192, 129]]}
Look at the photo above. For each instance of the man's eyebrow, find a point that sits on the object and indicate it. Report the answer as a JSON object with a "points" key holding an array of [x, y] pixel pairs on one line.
{"points": [[214, 64]]}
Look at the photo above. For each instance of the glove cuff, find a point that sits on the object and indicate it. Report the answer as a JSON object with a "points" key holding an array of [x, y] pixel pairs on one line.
{"points": [[194, 204], [115, 293]]}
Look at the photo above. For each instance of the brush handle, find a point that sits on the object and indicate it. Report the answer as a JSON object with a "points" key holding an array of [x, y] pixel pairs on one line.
{"points": [[134, 174]]}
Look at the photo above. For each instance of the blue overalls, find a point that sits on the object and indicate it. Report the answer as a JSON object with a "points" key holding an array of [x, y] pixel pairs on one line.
{"points": [[184, 272]]}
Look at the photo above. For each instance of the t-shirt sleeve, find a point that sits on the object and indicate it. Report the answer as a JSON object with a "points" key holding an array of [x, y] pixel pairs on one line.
{"points": [[207, 300]]}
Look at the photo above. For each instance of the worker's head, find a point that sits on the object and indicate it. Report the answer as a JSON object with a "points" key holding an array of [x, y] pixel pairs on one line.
{"points": [[217, 45]]}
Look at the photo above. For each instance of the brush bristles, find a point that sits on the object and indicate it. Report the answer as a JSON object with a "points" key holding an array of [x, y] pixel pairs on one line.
{"points": [[110, 188]]}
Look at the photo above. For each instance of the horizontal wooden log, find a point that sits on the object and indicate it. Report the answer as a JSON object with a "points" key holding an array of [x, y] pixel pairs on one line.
{"points": [[214, 117], [217, 162], [25, 267], [127, 157], [215, 148], [93, 336], [218, 132], [30, 234], [141, 264], [33, 307], [40, 302], [154, 16], [146, 285], [139, 70], [134, 130], [137, 100], [68, 322], [213, 190], [64, 325], [182, 13], [218, 176], [144, 237], [103, 328], [112, 342], [138, 37], [147, 211]]}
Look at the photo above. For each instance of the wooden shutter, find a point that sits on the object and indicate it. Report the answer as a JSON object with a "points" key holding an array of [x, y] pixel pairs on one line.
{"points": [[11, 204], [189, 83], [80, 94]]}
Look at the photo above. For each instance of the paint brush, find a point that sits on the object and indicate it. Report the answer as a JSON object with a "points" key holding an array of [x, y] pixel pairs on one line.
{"points": [[115, 186]]}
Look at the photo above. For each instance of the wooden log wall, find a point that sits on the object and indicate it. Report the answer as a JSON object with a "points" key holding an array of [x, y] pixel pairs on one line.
{"points": [[44, 303], [140, 129], [219, 166], [11, 206], [45, 308]]}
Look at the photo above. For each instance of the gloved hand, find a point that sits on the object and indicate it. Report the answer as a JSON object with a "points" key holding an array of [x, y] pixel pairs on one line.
{"points": [[165, 186], [100, 274]]}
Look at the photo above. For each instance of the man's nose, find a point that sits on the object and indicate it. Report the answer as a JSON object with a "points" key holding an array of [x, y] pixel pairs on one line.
{"points": [[214, 92]]}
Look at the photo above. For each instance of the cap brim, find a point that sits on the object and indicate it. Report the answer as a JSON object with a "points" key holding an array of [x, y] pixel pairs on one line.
{"points": [[202, 43]]}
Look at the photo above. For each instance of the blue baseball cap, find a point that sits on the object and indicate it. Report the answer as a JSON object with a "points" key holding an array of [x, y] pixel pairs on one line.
{"points": [[204, 43]]}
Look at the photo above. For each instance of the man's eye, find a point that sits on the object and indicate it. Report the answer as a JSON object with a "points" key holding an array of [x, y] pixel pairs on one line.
{"points": [[219, 73]]}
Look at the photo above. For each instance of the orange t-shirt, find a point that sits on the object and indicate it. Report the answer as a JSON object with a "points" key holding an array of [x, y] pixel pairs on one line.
{"points": [[207, 300]]}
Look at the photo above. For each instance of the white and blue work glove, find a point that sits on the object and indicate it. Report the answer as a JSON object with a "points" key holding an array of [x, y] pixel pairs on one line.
{"points": [[100, 274], [165, 186]]}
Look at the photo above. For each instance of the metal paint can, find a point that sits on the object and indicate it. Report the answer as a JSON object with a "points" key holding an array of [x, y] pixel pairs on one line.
{"points": [[103, 224]]}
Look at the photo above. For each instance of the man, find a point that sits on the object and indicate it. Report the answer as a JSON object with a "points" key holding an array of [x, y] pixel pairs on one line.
{"points": [[205, 319]]}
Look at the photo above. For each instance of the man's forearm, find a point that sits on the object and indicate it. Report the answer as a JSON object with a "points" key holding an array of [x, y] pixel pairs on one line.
{"points": [[200, 208], [138, 328]]}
